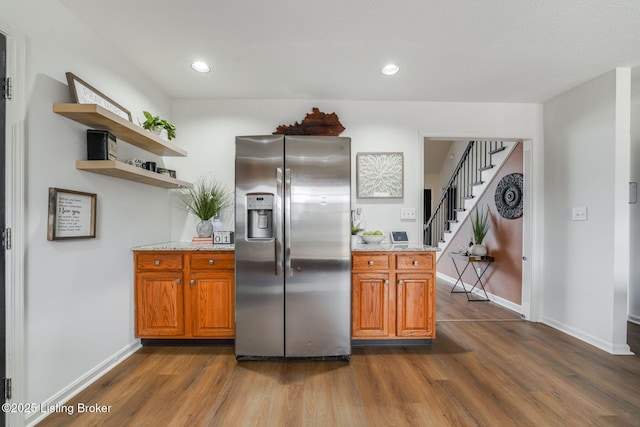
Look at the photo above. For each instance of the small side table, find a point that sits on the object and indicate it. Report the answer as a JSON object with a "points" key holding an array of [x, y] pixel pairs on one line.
{"points": [[470, 260]]}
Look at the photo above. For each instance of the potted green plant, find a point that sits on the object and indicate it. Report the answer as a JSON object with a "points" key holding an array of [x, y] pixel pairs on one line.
{"points": [[206, 200], [158, 125], [480, 223]]}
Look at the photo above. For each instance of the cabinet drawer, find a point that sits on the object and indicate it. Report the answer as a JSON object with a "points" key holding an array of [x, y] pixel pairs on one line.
{"points": [[211, 260], [367, 262], [418, 261], [159, 261]]}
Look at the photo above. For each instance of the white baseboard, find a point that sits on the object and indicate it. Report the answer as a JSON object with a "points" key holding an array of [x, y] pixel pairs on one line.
{"points": [[633, 319], [494, 298], [67, 393], [588, 338]]}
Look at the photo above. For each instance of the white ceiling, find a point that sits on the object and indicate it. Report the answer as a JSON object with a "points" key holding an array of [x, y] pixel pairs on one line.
{"points": [[447, 50]]}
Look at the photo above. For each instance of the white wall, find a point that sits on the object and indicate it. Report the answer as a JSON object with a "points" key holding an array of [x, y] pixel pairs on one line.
{"points": [[209, 128], [634, 285], [586, 164], [79, 294], [453, 157]]}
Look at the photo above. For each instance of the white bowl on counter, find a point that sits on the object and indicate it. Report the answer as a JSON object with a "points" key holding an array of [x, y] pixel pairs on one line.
{"points": [[372, 240]]}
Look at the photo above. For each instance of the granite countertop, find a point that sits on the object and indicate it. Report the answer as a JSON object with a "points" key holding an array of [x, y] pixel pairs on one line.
{"points": [[183, 246], [362, 247], [388, 247]]}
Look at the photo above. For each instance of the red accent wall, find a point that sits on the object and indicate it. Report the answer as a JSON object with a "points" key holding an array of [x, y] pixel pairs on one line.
{"points": [[503, 242]]}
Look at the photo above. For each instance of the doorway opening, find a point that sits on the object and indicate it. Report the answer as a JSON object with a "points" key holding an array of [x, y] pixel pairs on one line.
{"points": [[426, 213], [505, 283]]}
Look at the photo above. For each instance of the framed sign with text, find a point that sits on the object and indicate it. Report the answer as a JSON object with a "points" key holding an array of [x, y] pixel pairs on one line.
{"points": [[72, 214], [83, 93]]}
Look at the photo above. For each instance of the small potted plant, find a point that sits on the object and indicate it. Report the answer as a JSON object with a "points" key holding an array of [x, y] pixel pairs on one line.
{"points": [[480, 223], [158, 125], [206, 200]]}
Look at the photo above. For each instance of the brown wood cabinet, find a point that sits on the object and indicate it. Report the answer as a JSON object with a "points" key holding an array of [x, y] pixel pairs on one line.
{"points": [[393, 295], [184, 294]]}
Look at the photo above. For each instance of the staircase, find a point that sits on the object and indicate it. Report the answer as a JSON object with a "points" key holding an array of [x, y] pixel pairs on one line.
{"points": [[477, 167]]}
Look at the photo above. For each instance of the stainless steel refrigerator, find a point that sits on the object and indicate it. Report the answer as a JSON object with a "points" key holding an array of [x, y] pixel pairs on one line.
{"points": [[292, 246]]}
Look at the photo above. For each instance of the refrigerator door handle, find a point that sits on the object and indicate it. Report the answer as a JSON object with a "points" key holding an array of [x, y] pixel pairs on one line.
{"points": [[278, 222], [288, 272]]}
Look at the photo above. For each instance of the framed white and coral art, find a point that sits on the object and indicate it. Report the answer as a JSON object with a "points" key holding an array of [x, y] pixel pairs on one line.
{"points": [[380, 175]]}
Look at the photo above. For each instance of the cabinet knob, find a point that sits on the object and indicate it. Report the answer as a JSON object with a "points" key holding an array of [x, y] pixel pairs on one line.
{"points": [[370, 263], [211, 262], [192, 281], [178, 281], [400, 282], [156, 262], [386, 282], [415, 262]]}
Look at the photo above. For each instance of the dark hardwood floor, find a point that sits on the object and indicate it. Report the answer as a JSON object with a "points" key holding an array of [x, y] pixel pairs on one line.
{"points": [[492, 369], [455, 307]]}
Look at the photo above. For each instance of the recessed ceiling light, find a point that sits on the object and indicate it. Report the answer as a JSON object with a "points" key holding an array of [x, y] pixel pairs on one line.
{"points": [[201, 67], [390, 69]]}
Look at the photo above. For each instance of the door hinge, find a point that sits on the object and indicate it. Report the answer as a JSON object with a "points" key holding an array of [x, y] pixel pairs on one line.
{"points": [[6, 238], [7, 388], [6, 88]]}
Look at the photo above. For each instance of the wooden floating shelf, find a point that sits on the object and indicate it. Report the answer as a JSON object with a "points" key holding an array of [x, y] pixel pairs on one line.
{"points": [[129, 172], [96, 117]]}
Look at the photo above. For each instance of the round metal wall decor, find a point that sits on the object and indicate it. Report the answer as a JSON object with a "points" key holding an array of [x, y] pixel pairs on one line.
{"points": [[509, 196]]}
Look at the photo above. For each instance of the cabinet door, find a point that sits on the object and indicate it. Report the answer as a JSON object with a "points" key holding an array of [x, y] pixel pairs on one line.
{"points": [[212, 304], [415, 305], [159, 304], [370, 305]]}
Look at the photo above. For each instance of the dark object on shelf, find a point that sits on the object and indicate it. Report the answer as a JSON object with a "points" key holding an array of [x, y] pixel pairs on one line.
{"points": [[150, 166], [315, 123], [508, 196], [101, 145]]}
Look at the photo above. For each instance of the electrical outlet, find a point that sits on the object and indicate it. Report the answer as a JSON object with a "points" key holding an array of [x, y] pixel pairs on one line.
{"points": [[408, 213], [579, 213]]}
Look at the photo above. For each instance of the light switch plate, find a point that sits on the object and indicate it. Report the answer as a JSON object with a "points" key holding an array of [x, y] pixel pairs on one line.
{"points": [[407, 213], [579, 213]]}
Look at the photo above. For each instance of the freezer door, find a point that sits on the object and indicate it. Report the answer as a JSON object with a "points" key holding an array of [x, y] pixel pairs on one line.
{"points": [[318, 259], [259, 261]]}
